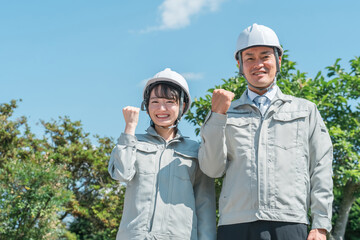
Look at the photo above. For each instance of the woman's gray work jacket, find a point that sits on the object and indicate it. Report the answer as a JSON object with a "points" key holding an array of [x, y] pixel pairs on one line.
{"points": [[167, 196], [277, 166]]}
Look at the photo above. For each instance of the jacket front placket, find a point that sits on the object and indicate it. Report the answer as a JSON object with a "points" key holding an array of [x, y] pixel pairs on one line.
{"points": [[266, 159], [162, 186], [265, 164]]}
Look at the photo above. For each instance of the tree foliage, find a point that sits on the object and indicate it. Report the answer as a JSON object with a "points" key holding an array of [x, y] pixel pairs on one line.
{"points": [[337, 98], [56, 187]]}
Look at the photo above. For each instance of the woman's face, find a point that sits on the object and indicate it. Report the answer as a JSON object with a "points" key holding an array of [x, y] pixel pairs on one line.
{"points": [[163, 111]]}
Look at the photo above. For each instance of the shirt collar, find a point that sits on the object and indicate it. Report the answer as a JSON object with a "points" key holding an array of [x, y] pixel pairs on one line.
{"points": [[245, 99], [269, 94]]}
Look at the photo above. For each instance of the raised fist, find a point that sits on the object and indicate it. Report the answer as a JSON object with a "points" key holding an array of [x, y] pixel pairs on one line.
{"points": [[221, 100], [131, 116]]}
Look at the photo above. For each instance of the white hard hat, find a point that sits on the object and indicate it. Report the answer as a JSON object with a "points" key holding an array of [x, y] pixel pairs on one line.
{"points": [[257, 35], [174, 78]]}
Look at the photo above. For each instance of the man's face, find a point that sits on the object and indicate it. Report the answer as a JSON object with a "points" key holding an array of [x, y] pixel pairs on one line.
{"points": [[259, 66]]}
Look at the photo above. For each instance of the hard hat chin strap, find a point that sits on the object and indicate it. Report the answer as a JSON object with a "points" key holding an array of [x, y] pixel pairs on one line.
{"points": [[181, 105], [262, 89], [143, 106], [170, 127]]}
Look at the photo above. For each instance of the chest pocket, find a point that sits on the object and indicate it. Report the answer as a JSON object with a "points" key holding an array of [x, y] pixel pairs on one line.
{"points": [[184, 164], [146, 157], [238, 132], [289, 128]]}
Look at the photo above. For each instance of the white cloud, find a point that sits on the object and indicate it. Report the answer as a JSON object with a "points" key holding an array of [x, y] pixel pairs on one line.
{"points": [[143, 82], [177, 14], [192, 76]]}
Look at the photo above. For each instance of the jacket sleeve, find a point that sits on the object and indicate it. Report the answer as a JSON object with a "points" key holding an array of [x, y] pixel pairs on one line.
{"points": [[204, 191], [321, 156], [213, 150], [122, 161]]}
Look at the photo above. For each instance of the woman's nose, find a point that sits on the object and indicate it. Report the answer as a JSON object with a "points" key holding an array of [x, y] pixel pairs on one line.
{"points": [[162, 106]]}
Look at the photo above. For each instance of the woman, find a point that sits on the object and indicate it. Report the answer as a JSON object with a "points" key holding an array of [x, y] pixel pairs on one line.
{"points": [[167, 196]]}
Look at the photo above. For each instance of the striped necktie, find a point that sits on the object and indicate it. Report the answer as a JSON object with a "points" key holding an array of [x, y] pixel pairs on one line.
{"points": [[260, 103]]}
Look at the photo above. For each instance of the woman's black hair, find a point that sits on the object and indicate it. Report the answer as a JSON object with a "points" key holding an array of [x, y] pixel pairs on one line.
{"points": [[168, 91]]}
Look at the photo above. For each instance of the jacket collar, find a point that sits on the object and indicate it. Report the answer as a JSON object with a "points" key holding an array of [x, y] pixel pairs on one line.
{"points": [[151, 131], [245, 100]]}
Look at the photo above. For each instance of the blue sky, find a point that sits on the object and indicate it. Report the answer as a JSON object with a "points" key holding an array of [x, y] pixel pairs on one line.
{"points": [[88, 59]]}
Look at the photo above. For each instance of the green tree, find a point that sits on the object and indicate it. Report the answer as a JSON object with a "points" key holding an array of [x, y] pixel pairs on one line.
{"points": [[32, 189], [56, 187], [97, 200], [337, 98]]}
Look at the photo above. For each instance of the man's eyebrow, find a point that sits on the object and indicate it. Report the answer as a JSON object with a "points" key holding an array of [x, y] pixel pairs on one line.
{"points": [[262, 53], [266, 52], [249, 53]]}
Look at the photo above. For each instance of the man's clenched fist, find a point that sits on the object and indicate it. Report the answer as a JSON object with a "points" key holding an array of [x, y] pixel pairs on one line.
{"points": [[221, 100]]}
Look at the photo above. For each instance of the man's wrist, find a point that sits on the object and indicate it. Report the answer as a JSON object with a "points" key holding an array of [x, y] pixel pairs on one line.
{"points": [[321, 230]]}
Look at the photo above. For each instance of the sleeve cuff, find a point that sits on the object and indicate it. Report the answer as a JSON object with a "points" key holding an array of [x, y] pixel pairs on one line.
{"points": [[127, 139], [216, 119], [322, 222]]}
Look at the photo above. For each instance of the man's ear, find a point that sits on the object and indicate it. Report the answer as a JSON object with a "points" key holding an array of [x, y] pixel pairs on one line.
{"points": [[280, 61]]}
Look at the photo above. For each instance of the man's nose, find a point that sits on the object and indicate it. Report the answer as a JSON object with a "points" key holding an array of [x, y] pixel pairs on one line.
{"points": [[259, 63]]}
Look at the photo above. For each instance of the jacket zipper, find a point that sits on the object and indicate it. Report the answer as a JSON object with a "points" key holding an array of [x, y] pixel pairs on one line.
{"points": [[156, 189], [166, 144]]}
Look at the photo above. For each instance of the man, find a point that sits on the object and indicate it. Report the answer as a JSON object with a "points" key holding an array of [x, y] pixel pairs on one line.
{"points": [[275, 152]]}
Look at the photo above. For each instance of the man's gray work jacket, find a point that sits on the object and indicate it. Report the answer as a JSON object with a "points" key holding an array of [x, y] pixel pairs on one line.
{"points": [[167, 196], [277, 166]]}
